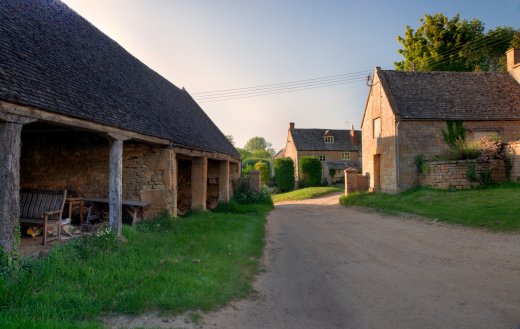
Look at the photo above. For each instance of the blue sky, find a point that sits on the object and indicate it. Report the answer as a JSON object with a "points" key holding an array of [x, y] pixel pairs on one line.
{"points": [[207, 46]]}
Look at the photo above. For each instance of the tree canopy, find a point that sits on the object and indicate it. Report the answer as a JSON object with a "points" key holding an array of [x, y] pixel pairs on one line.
{"points": [[257, 147], [442, 44]]}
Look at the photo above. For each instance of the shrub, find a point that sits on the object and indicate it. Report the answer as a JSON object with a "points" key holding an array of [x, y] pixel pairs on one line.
{"points": [[332, 172], [264, 171], [284, 174], [462, 151], [456, 132], [246, 170], [310, 169], [419, 162], [490, 147], [252, 162], [245, 196]]}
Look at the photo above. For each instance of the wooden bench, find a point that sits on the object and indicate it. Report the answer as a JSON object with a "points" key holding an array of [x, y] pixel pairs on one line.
{"points": [[42, 208]]}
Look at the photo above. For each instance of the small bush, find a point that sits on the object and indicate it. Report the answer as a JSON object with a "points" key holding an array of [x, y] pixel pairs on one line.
{"points": [[471, 174], [310, 169], [284, 174], [419, 162], [245, 196], [246, 170]]}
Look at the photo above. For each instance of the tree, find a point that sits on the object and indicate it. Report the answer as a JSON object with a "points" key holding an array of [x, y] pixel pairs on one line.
{"points": [[231, 139], [442, 44], [258, 148]]}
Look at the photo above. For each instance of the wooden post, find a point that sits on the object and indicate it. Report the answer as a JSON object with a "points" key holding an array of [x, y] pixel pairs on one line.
{"points": [[115, 182], [10, 150], [223, 182], [199, 183]]}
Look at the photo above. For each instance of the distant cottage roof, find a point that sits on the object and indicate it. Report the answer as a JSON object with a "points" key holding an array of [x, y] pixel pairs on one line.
{"points": [[53, 59], [312, 140], [453, 95], [340, 165]]}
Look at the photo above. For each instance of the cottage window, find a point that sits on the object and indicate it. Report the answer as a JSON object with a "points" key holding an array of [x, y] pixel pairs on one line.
{"points": [[329, 139], [479, 134], [377, 127], [345, 156], [322, 158]]}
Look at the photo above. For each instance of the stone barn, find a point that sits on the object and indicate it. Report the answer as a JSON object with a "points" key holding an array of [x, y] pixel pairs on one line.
{"points": [[80, 113]]}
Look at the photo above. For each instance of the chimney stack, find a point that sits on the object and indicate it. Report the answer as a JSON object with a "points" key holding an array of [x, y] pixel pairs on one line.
{"points": [[291, 125], [353, 137], [513, 63]]}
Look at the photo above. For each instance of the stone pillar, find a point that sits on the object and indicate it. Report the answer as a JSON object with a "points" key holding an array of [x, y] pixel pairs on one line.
{"points": [[10, 150], [223, 182], [199, 183], [174, 183], [254, 180], [351, 178]]}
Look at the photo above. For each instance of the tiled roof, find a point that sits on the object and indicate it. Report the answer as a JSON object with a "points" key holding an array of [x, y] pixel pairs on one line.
{"points": [[340, 165], [312, 140], [454, 95], [280, 154], [53, 59]]}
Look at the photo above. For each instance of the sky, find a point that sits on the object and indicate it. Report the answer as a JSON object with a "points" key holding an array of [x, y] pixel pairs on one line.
{"points": [[224, 45]]}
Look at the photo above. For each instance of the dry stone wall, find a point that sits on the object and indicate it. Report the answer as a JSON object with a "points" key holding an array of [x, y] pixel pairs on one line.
{"points": [[454, 174]]}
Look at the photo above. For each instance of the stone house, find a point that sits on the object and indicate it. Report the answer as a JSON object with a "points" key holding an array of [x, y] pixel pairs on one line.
{"points": [[336, 149], [406, 111], [78, 112]]}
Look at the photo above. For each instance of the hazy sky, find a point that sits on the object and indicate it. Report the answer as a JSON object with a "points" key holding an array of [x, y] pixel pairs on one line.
{"points": [[215, 45]]}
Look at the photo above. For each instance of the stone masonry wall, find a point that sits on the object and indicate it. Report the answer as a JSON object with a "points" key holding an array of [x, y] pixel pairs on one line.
{"points": [[453, 174], [513, 152], [83, 171], [213, 184], [382, 147], [425, 137]]}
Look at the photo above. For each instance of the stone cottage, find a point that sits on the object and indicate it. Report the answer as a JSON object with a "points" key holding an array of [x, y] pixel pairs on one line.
{"points": [[78, 112], [406, 112], [336, 149]]}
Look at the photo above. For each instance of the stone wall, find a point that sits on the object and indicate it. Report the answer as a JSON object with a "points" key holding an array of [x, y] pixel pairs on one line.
{"points": [[82, 170], [512, 150], [355, 182], [425, 137], [379, 160], [454, 174]]}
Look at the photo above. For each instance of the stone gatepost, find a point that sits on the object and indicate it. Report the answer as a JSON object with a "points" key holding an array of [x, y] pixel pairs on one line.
{"points": [[254, 180], [351, 180], [199, 183]]}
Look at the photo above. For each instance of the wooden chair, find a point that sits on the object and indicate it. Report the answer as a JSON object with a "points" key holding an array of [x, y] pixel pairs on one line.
{"points": [[42, 208]]}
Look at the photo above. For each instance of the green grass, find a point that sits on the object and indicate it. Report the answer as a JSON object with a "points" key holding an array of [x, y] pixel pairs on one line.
{"points": [[304, 193], [173, 265], [495, 207]]}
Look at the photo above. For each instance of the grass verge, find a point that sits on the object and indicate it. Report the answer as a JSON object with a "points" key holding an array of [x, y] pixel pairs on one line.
{"points": [[494, 207], [173, 265], [304, 193]]}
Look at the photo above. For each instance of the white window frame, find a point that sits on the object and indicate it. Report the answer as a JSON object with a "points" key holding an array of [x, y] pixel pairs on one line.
{"points": [[329, 139], [345, 156], [323, 158]]}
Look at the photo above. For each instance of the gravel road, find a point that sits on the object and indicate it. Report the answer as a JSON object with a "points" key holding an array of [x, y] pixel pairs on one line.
{"points": [[331, 267]]}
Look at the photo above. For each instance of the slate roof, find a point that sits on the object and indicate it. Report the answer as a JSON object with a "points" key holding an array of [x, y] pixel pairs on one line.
{"points": [[280, 154], [53, 59], [312, 140], [340, 165], [454, 95]]}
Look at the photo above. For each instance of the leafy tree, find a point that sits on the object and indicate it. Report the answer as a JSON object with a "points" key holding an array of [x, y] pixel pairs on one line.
{"points": [[231, 139], [256, 143], [258, 148], [442, 44]]}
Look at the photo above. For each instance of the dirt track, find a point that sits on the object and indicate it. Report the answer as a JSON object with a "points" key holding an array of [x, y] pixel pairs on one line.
{"points": [[331, 267]]}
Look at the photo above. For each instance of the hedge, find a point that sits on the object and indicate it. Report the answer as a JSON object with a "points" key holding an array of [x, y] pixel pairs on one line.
{"points": [[310, 170], [284, 174]]}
